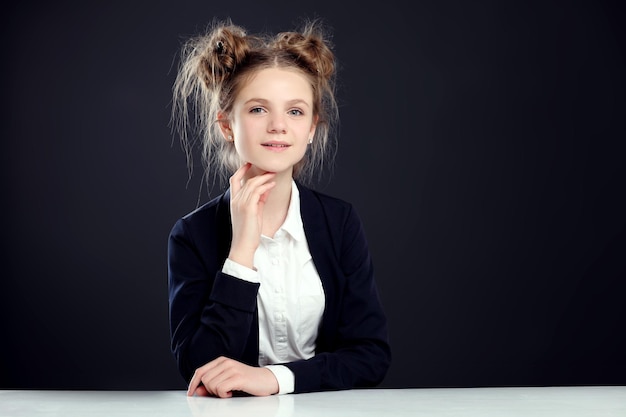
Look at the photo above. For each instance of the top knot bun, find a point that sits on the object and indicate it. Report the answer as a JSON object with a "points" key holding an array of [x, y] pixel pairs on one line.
{"points": [[226, 47], [310, 49]]}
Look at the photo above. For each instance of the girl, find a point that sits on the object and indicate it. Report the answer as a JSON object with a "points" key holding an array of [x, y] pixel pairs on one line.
{"points": [[271, 285]]}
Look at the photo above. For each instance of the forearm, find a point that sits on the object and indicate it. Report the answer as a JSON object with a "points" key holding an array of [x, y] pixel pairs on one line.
{"points": [[212, 314], [214, 325]]}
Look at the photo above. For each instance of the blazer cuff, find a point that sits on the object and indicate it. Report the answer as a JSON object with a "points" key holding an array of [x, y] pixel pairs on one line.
{"points": [[234, 292]]}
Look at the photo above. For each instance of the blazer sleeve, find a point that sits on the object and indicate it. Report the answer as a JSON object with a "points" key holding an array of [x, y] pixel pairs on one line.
{"points": [[354, 351], [211, 313]]}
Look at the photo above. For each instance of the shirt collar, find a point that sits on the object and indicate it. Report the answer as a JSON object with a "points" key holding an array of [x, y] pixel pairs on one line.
{"points": [[293, 221]]}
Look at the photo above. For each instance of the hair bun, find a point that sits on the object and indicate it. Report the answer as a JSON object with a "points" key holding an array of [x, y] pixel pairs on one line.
{"points": [[227, 47], [310, 48]]}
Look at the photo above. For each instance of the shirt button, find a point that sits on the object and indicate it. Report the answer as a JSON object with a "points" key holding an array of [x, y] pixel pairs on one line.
{"points": [[275, 261], [278, 290]]}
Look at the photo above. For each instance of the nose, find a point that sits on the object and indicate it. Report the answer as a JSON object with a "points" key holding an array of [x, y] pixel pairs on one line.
{"points": [[277, 123]]}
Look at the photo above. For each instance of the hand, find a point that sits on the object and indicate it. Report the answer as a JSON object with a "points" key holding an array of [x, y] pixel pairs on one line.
{"points": [[222, 376], [246, 210]]}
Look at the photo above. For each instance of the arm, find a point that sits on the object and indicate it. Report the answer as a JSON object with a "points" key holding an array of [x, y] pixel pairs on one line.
{"points": [[211, 313], [214, 320]]}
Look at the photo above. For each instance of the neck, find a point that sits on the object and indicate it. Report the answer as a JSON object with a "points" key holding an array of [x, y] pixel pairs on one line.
{"points": [[279, 197]]}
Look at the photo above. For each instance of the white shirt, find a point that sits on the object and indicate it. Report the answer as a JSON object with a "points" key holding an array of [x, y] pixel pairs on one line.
{"points": [[290, 299]]}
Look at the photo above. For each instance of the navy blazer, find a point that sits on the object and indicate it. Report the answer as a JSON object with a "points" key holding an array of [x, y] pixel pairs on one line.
{"points": [[213, 314]]}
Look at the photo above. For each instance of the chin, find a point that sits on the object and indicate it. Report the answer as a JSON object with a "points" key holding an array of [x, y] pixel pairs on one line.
{"points": [[274, 166]]}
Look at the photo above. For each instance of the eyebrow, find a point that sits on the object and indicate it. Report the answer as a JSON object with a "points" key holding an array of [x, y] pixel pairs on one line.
{"points": [[292, 102]]}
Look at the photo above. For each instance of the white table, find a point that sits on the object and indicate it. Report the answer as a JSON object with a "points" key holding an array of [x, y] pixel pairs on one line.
{"points": [[432, 402]]}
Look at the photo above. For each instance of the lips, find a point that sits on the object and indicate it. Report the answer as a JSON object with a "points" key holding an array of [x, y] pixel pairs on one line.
{"points": [[276, 145]]}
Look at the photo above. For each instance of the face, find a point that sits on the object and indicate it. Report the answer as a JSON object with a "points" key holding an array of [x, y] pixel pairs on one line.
{"points": [[272, 120]]}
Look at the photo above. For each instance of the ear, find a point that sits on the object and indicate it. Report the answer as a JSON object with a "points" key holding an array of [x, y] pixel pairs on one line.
{"points": [[224, 124], [313, 126]]}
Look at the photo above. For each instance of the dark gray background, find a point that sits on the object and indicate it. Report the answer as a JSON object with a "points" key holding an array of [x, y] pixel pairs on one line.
{"points": [[481, 142]]}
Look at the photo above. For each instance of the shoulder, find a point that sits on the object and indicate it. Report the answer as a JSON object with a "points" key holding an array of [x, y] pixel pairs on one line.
{"points": [[336, 213], [205, 217], [329, 203], [207, 209], [333, 227]]}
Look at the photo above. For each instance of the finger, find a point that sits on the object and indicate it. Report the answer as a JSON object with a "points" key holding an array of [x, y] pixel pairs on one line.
{"points": [[264, 190], [251, 193], [215, 373], [225, 388], [193, 384], [247, 192], [213, 380], [254, 182], [266, 193], [198, 375], [201, 391], [235, 179], [227, 381], [253, 201]]}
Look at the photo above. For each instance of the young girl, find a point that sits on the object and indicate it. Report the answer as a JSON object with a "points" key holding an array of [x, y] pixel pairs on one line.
{"points": [[271, 285]]}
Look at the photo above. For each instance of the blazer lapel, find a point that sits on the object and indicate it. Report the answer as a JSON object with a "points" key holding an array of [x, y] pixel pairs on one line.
{"points": [[321, 245]]}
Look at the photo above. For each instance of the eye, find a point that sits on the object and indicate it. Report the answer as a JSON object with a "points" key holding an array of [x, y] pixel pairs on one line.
{"points": [[295, 112], [257, 110]]}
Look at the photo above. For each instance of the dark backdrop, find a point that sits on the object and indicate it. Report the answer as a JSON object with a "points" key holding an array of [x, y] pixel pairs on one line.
{"points": [[481, 142]]}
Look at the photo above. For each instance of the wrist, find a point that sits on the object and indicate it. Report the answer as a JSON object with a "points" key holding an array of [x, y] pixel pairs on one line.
{"points": [[273, 384], [285, 379], [243, 259]]}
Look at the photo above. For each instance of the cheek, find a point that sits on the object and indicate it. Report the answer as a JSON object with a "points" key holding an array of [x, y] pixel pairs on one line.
{"points": [[241, 148], [248, 128]]}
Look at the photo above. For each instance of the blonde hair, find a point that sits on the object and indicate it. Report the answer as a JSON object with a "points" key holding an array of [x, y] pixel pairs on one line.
{"points": [[214, 67]]}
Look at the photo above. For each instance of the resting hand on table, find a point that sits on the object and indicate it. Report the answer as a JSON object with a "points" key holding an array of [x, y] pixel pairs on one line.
{"points": [[222, 376]]}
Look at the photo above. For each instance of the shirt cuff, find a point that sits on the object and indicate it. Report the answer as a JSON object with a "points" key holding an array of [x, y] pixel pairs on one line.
{"points": [[239, 271], [285, 378]]}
